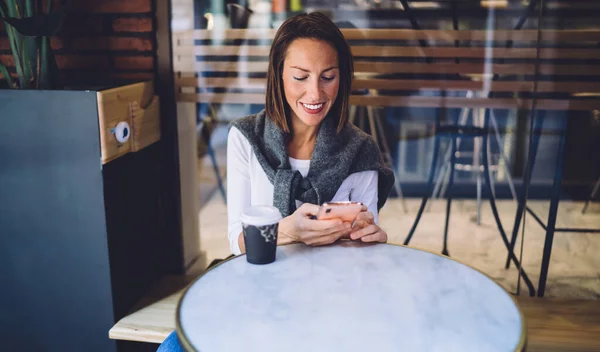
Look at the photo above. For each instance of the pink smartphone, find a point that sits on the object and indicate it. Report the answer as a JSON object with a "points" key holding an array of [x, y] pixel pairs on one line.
{"points": [[347, 211]]}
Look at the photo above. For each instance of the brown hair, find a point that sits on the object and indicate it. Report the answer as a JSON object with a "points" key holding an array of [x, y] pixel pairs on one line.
{"points": [[313, 26]]}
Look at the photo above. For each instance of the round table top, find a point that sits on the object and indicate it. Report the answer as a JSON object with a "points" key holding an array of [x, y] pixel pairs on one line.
{"points": [[348, 297]]}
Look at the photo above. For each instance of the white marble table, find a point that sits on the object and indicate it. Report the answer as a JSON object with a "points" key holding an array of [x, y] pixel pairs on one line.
{"points": [[348, 297]]}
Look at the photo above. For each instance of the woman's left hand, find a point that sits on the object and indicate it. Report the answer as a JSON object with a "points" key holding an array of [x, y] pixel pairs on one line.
{"points": [[366, 230]]}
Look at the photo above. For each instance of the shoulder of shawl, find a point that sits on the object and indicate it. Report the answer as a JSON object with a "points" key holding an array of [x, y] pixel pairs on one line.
{"points": [[250, 124], [356, 136]]}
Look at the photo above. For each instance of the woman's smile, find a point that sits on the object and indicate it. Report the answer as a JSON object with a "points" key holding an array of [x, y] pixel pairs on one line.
{"points": [[313, 108]]}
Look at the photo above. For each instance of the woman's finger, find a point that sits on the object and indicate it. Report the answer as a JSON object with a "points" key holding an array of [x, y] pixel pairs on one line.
{"points": [[379, 236], [359, 224], [321, 225], [321, 241], [325, 237], [365, 231], [308, 209], [341, 228], [328, 239]]}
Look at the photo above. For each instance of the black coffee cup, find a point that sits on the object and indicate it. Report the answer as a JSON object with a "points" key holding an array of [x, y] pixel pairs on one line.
{"points": [[260, 224]]}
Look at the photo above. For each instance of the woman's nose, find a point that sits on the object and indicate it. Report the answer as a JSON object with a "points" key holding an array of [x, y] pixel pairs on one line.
{"points": [[313, 91]]}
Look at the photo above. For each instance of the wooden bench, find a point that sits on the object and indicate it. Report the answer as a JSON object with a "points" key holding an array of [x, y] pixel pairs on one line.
{"points": [[409, 68], [552, 324], [153, 318]]}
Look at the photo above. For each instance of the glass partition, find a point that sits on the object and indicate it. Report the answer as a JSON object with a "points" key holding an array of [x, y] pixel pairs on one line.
{"points": [[462, 97]]}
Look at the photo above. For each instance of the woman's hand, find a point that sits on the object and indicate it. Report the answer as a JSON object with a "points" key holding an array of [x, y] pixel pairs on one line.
{"points": [[366, 230], [299, 227]]}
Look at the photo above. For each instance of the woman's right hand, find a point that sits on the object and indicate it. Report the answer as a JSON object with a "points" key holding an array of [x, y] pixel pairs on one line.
{"points": [[299, 227]]}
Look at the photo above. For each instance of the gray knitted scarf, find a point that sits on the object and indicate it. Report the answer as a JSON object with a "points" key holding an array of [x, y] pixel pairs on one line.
{"points": [[335, 157]]}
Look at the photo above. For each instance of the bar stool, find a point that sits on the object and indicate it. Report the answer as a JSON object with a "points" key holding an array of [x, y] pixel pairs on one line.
{"points": [[477, 120], [454, 131]]}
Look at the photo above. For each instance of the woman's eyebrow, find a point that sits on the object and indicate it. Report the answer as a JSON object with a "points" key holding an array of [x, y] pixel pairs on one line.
{"points": [[305, 70]]}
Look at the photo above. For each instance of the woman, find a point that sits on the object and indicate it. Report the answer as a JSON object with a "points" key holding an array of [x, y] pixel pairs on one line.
{"points": [[300, 151]]}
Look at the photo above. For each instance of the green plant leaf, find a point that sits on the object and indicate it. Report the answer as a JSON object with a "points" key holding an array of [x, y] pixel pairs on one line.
{"points": [[11, 8], [37, 25], [29, 8], [29, 61], [5, 75], [13, 40], [49, 76], [29, 27]]}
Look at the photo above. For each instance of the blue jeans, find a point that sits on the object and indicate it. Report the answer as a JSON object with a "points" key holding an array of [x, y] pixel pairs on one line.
{"points": [[170, 344]]}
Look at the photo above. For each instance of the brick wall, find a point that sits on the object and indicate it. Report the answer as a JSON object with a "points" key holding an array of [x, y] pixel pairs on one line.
{"points": [[102, 42]]}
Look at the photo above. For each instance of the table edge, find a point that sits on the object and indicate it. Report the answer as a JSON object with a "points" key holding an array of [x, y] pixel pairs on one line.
{"points": [[521, 345]]}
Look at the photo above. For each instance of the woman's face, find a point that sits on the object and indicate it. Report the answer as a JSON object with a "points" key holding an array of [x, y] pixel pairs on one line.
{"points": [[310, 80]]}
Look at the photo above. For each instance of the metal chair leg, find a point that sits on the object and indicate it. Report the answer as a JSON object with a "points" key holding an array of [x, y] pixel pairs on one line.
{"points": [[449, 201], [442, 193], [441, 177], [511, 253], [477, 121], [532, 153], [489, 157], [479, 198], [436, 145], [507, 171], [553, 211]]}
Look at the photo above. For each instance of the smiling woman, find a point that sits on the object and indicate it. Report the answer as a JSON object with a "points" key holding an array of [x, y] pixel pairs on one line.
{"points": [[311, 62], [311, 59], [283, 156], [301, 151]]}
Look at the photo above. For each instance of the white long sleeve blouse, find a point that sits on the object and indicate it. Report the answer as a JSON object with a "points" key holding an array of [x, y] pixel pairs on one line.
{"points": [[248, 185]]}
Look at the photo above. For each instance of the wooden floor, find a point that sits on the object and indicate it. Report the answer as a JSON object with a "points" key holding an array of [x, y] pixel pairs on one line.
{"points": [[553, 325]]}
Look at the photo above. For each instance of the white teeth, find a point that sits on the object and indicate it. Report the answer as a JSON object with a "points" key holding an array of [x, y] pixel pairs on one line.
{"points": [[313, 107]]}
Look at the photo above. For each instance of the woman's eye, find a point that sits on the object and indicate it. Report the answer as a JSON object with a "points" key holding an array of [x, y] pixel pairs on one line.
{"points": [[300, 78], [328, 78]]}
